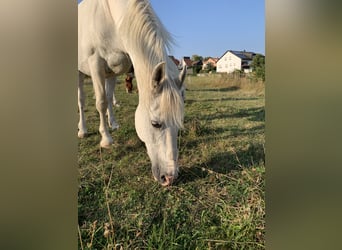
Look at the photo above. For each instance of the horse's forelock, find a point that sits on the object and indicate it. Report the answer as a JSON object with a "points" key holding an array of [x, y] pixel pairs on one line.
{"points": [[171, 105]]}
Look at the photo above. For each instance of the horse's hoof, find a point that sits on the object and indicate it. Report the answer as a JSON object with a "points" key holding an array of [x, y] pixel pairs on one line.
{"points": [[114, 126], [106, 144], [82, 134]]}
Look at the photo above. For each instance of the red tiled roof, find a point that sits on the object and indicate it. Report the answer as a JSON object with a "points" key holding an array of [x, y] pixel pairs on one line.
{"points": [[187, 61], [174, 60]]}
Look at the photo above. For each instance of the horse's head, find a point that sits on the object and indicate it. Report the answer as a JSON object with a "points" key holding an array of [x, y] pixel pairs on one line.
{"points": [[157, 122]]}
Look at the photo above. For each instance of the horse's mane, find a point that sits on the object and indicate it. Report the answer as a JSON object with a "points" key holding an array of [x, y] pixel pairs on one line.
{"points": [[145, 31], [147, 37]]}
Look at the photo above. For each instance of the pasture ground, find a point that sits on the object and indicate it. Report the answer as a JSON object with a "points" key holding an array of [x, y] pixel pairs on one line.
{"points": [[218, 201]]}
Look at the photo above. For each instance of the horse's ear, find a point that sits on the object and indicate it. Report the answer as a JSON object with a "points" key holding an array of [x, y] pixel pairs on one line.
{"points": [[182, 74], [158, 74]]}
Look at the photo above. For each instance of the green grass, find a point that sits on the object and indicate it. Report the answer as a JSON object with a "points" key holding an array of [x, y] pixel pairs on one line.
{"points": [[218, 201]]}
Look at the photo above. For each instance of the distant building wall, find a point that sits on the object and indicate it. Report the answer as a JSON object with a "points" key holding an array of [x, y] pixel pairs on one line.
{"points": [[229, 63]]}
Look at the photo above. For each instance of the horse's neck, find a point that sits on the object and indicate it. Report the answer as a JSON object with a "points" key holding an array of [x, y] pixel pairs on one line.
{"points": [[143, 70], [143, 77], [146, 49]]}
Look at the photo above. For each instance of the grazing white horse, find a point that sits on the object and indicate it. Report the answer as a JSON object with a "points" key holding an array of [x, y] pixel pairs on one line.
{"points": [[113, 36]]}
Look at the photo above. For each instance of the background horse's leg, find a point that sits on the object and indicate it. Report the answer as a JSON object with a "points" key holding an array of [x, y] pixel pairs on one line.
{"points": [[82, 128], [129, 84], [97, 70], [110, 86]]}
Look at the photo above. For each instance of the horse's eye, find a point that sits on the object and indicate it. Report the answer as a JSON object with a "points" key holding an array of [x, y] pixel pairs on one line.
{"points": [[156, 124]]}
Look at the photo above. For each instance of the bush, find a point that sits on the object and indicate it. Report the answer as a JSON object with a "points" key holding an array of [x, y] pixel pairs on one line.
{"points": [[258, 65]]}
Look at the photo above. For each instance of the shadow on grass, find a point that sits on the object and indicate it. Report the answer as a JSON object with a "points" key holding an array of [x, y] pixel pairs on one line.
{"points": [[224, 163], [252, 114], [191, 101], [196, 132], [226, 89]]}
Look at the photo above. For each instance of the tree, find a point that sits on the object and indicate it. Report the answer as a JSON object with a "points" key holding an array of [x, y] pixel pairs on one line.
{"points": [[197, 63], [209, 67], [258, 65], [196, 58]]}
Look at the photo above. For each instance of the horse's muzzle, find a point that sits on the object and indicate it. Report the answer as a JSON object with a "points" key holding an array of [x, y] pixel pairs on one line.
{"points": [[167, 180]]}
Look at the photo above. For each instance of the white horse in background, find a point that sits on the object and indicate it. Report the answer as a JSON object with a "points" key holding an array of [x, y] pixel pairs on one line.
{"points": [[113, 36]]}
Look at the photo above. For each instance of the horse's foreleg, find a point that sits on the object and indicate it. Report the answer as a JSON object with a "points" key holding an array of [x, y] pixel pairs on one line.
{"points": [[113, 99], [110, 86], [82, 129], [97, 70]]}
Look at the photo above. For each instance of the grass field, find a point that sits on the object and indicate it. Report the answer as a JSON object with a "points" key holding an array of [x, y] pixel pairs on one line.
{"points": [[218, 201]]}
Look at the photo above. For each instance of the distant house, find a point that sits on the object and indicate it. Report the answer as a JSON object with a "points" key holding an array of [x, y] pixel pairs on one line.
{"points": [[187, 61], [209, 60], [233, 60], [174, 60], [189, 64]]}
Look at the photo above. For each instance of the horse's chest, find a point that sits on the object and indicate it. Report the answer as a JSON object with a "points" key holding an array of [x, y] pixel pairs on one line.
{"points": [[118, 63]]}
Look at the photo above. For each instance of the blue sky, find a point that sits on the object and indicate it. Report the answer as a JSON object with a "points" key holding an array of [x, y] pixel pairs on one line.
{"points": [[209, 28]]}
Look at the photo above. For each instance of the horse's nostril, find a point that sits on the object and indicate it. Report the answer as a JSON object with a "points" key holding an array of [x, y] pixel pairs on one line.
{"points": [[163, 178], [166, 180]]}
